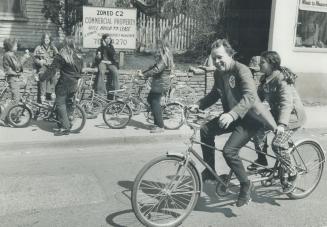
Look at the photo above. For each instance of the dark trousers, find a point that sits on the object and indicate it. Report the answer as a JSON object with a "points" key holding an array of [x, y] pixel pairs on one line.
{"points": [[65, 103], [45, 87], [101, 87], [154, 101], [242, 131], [14, 86]]}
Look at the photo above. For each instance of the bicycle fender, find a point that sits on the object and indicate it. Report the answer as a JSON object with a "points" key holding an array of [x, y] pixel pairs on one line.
{"points": [[192, 163], [313, 141]]}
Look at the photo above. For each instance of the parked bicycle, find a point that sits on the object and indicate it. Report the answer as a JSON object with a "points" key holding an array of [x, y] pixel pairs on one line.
{"points": [[21, 114], [117, 114], [167, 188], [90, 101]]}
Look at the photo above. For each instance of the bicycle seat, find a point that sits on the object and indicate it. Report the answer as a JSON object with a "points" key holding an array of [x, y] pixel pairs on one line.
{"points": [[116, 91]]}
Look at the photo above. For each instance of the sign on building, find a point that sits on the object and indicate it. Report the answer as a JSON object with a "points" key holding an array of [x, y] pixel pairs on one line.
{"points": [[119, 23]]}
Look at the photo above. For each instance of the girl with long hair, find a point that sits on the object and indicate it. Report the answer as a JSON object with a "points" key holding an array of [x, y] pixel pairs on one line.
{"points": [[70, 64]]}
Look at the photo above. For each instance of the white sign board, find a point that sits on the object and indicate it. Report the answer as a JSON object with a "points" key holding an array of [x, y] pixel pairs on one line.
{"points": [[119, 23]]}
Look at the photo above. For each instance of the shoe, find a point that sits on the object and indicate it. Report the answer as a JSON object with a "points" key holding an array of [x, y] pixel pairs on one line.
{"points": [[207, 176], [61, 133], [289, 185], [245, 194], [157, 130], [254, 167]]}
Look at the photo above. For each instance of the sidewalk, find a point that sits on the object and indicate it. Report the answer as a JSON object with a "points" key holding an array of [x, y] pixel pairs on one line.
{"points": [[96, 132]]}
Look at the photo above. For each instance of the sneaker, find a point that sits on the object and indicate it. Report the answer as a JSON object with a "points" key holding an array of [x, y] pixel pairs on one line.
{"points": [[61, 133], [254, 167], [245, 194], [157, 130], [289, 185]]}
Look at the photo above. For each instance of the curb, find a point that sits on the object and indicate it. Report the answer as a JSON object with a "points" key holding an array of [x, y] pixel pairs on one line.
{"points": [[83, 142]]}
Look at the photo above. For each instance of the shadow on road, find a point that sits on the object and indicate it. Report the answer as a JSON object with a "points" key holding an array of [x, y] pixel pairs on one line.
{"points": [[44, 125]]}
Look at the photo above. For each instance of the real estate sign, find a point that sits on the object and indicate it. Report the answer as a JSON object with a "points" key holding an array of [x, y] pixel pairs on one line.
{"points": [[119, 23]]}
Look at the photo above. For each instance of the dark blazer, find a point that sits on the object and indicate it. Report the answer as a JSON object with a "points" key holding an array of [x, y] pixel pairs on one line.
{"points": [[284, 101], [107, 54], [160, 76], [238, 94]]}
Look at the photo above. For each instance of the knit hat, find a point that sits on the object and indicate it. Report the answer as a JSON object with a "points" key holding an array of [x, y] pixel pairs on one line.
{"points": [[254, 63]]}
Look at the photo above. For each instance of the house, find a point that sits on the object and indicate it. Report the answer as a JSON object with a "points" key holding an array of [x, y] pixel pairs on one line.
{"points": [[24, 20]]}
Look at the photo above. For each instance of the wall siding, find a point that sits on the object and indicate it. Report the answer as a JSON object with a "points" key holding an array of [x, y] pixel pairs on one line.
{"points": [[28, 32]]}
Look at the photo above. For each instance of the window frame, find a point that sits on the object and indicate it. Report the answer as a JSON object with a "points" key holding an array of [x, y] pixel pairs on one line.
{"points": [[9, 16], [313, 8]]}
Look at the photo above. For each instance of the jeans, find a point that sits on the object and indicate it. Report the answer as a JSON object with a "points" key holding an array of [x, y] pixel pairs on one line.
{"points": [[154, 101], [65, 103], [14, 86], [242, 131], [101, 87]]}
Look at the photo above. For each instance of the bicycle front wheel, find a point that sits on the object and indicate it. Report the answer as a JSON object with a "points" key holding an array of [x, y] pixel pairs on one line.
{"points": [[77, 119], [117, 114], [165, 191], [19, 116], [173, 115], [309, 159]]}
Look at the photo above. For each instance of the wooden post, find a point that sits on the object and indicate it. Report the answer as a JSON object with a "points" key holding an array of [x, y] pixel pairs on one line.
{"points": [[121, 58]]}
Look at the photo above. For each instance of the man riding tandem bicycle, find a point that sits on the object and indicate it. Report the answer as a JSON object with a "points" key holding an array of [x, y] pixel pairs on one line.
{"points": [[166, 189]]}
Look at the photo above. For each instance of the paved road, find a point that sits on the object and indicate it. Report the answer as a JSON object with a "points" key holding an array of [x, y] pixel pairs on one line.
{"points": [[90, 186]]}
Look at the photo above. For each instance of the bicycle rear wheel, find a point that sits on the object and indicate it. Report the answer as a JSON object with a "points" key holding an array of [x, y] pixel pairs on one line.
{"points": [[165, 191], [173, 115], [91, 107], [117, 114], [309, 159], [19, 116], [77, 119]]}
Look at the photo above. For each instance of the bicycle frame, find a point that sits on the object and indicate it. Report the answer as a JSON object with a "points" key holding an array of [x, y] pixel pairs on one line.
{"points": [[187, 158]]}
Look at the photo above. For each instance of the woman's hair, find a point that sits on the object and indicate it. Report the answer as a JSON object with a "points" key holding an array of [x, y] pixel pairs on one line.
{"points": [[166, 54], [68, 49], [104, 36], [273, 58], [45, 35], [223, 42], [9, 43]]}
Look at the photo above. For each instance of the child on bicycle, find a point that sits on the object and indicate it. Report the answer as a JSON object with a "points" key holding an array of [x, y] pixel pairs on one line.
{"points": [[243, 115], [160, 73], [277, 89], [13, 68]]}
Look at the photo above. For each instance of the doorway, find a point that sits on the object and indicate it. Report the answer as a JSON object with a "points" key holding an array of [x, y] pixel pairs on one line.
{"points": [[247, 27]]}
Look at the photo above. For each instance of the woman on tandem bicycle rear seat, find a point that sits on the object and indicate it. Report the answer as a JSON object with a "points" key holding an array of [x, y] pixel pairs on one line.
{"points": [[277, 89], [243, 115]]}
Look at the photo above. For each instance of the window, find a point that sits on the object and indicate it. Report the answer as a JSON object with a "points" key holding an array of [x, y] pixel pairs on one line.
{"points": [[311, 29], [12, 9]]}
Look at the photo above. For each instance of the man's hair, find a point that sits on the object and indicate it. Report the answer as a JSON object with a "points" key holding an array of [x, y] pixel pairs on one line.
{"points": [[223, 42], [273, 58], [9, 43]]}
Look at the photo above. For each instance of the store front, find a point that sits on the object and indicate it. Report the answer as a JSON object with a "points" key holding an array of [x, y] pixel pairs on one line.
{"points": [[298, 31]]}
